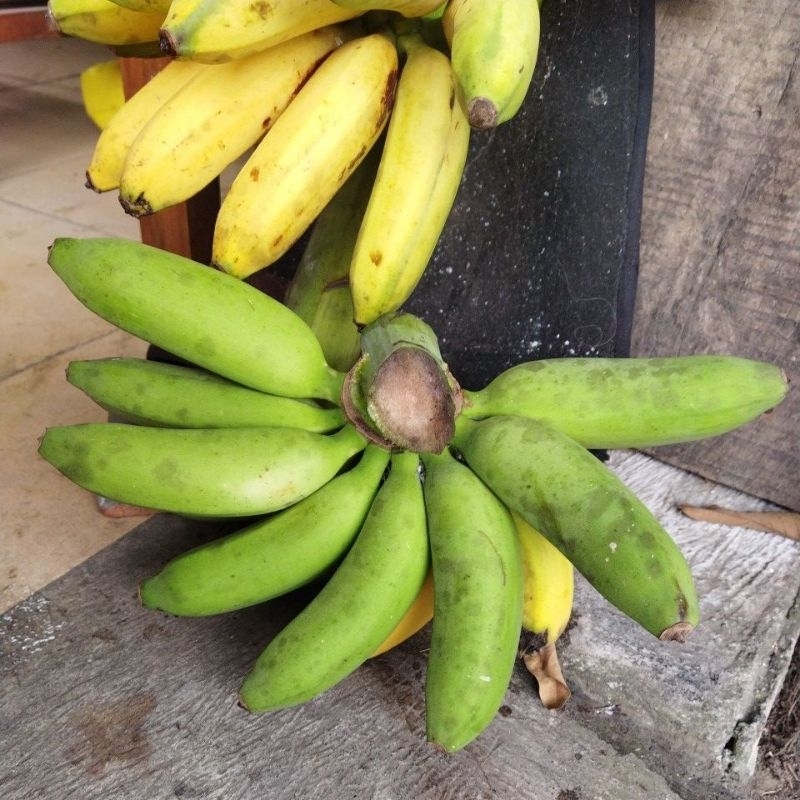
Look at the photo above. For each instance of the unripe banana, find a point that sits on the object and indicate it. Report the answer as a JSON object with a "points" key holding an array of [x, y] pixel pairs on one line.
{"points": [[167, 395], [306, 156], [199, 314], [104, 22], [114, 142], [215, 32], [419, 174], [493, 47], [584, 509], [319, 292], [478, 601], [272, 556], [358, 607], [634, 402], [414, 620], [214, 472], [212, 121], [548, 583]]}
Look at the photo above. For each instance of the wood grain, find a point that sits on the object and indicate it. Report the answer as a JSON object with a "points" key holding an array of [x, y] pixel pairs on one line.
{"points": [[720, 247]]}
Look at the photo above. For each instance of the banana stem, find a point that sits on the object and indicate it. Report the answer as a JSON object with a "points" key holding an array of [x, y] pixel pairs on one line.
{"points": [[401, 387]]}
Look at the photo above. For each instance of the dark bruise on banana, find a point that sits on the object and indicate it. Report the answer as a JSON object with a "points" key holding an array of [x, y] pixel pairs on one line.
{"points": [[263, 427]]}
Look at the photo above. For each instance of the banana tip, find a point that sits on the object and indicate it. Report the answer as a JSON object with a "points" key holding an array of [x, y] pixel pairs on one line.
{"points": [[482, 114], [677, 632]]}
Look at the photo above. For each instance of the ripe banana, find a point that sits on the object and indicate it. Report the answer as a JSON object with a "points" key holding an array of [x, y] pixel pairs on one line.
{"points": [[144, 5], [358, 607], [213, 472], [114, 142], [167, 395], [423, 160], [102, 92], [319, 291], [548, 583], [477, 582], [103, 22], [583, 508], [214, 32], [634, 402], [212, 121], [273, 556], [414, 620], [493, 48], [408, 8], [199, 314], [306, 156]]}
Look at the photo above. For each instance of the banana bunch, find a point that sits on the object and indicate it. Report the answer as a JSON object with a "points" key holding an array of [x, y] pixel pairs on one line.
{"points": [[404, 498], [303, 93]]}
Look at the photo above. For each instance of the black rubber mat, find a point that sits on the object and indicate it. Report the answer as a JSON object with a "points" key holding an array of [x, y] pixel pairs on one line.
{"points": [[540, 256]]}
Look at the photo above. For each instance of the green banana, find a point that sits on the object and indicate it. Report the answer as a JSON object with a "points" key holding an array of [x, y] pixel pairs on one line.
{"points": [[583, 508], [634, 402], [477, 579], [272, 556], [202, 315], [213, 472], [360, 605], [319, 291], [153, 393]]}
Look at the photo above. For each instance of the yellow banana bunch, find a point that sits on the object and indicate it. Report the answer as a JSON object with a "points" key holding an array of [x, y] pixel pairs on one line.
{"points": [[493, 47], [219, 31], [307, 155], [104, 22], [211, 121], [112, 146], [423, 160]]}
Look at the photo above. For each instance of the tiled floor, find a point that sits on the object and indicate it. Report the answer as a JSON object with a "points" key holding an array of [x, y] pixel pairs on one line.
{"points": [[47, 525]]}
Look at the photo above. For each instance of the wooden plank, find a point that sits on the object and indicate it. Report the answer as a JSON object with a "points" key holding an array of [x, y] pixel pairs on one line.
{"points": [[720, 248], [25, 23]]}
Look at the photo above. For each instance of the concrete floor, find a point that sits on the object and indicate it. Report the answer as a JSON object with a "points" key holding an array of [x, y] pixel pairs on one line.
{"points": [[48, 525]]}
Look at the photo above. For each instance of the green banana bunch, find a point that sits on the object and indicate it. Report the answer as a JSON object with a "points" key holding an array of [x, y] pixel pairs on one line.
{"points": [[157, 394], [358, 607], [606, 403], [307, 155], [111, 148], [199, 314], [104, 22], [209, 472], [215, 32], [494, 47], [477, 582], [210, 122], [582, 508], [319, 291], [273, 556], [421, 167]]}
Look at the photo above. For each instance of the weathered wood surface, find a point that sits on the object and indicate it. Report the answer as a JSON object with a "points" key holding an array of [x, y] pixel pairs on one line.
{"points": [[104, 699], [720, 232]]}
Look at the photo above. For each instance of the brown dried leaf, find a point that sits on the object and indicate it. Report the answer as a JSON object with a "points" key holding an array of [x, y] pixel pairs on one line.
{"points": [[543, 664], [784, 523]]}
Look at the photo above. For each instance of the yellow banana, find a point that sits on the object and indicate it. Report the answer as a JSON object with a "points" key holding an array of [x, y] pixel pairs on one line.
{"points": [[102, 92], [306, 156], [111, 148], [219, 31], [415, 619], [104, 22], [408, 8], [421, 167], [212, 121], [144, 5], [493, 47], [548, 583]]}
